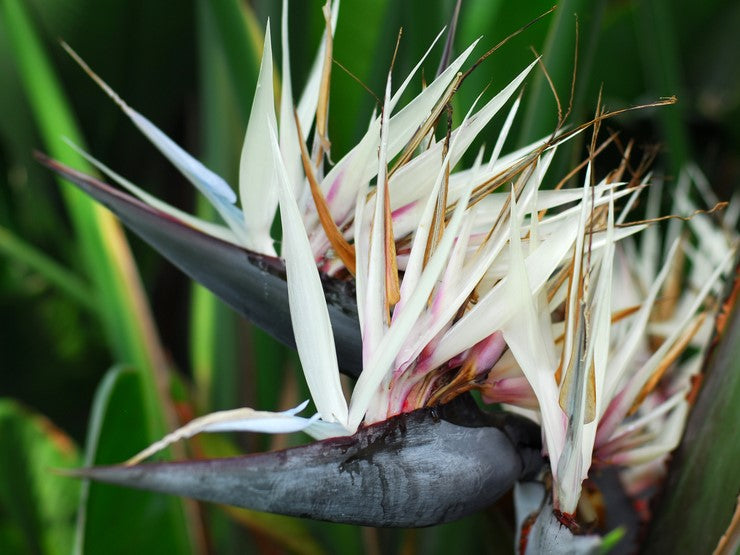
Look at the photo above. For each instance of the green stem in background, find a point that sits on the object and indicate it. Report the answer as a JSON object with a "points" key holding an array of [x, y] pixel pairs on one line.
{"points": [[241, 37], [540, 110], [213, 349], [57, 275], [656, 34]]}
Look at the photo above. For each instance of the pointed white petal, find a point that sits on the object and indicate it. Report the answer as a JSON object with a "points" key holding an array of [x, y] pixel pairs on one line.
{"points": [[667, 439], [209, 228], [414, 266], [531, 342], [633, 427], [289, 147], [413, 180], [619, 409], [374, 325], [494, 308], [257, 171], [236, 420], [379, 366], [310, 98], [625, 352], [213, 187], [601, 337], [362, 255], [358, 166], [575, 283], [207, 182], [503, 134], [309, 314]]}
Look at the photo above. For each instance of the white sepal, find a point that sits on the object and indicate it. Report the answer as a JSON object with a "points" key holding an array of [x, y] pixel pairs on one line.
{"points": [[309, 313], [236, 420], [209, 228], [257, 171]]}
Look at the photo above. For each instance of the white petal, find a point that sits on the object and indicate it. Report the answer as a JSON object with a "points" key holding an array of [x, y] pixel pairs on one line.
{"points": [[362, 255], [601, 337], [494, 308], [309, 314], [668, 439], [634, 427], [625, 352], [236, 420], [628, 395], [531, 343], [257, 171], [374, 324], [210, 184], [213, 187], [378, 368], [414, 266], [575, 282], [358, 166], [503, 134], [413, 180], [209, 228], [288, 134]]}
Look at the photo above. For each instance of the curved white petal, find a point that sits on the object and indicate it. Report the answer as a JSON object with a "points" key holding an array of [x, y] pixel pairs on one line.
{"points": [[257, 171], [309, 314]]}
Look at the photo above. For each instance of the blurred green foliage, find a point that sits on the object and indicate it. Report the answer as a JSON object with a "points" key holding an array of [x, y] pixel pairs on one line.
{"points": [[190, 66]]}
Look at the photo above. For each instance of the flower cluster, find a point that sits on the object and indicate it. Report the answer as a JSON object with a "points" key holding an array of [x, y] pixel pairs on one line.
{"points": [[547, 300]]}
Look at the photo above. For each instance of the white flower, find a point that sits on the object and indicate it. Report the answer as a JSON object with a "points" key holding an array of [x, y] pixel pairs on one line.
{"points": [[537, 297]]}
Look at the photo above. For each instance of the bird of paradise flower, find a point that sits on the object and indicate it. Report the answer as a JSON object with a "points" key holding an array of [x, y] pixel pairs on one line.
{"points": [[538, 298]]}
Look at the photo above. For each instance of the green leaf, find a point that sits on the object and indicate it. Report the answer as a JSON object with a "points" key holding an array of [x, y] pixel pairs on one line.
{"points": [[364, 27], [39, 505], [662, 68], [213, 326], [16, 248], [109, 264], [540, 113], [117, 520], [241, 39]]}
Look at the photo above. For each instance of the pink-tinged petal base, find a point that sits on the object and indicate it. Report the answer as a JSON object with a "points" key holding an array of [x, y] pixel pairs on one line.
{"points": [[511, 391]]}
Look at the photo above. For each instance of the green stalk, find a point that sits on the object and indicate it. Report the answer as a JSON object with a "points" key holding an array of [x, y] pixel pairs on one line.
{"points": [[212, 325], [540, 112], [656, 31], [241, 37]]}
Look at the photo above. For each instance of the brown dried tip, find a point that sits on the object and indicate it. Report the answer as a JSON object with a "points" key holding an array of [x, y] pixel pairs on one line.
{"points": [[342, 248]]}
